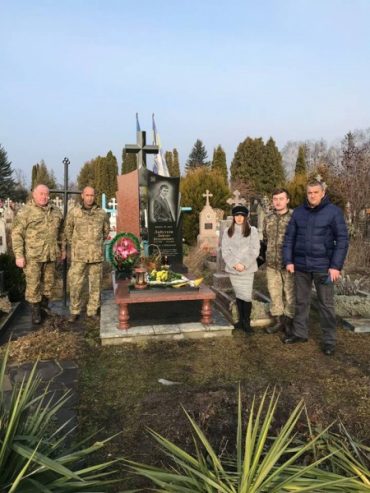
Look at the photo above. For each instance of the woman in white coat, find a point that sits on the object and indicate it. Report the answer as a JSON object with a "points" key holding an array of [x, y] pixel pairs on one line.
{"points": [[240, 249]]}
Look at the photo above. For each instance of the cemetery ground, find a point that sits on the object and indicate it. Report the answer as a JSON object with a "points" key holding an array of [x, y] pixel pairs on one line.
{"points": [[119, 389]]}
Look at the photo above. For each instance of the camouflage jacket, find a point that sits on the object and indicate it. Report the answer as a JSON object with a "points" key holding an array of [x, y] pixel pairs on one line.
{"points": [[274, 227], [37, 232], [86, 230]]}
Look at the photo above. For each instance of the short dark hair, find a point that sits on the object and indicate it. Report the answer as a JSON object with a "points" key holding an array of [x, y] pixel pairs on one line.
{"points": [[163, 186], [316, 183], [277, 191]]}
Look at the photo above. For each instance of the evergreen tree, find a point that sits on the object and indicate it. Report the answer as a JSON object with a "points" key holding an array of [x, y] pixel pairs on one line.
{"points": [[192, 187], [198, 156], [219, 162], [273, 171], [106, 170], [258, 165], [248, 163], [169, 161], [176, 163], [86, 177], [112, 172], [129, 162], [6, 171], [41, 175], [300, 166]]}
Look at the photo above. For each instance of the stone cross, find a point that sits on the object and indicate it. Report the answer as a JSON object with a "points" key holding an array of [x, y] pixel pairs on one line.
{"points": [[141, 149], [207, 195], [236, 199], [58, 202], [113, 204]]}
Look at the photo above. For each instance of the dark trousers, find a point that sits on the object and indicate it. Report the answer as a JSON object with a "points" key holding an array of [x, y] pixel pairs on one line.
{"points": [[325, 294]]}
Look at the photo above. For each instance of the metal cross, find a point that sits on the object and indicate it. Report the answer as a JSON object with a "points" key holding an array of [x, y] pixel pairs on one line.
{"points": [[207, 195], [236, 200], [141, 149], [65, 192]]}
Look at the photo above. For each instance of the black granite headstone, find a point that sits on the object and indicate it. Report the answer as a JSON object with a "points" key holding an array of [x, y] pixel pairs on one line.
{"points": [[164, 216]]}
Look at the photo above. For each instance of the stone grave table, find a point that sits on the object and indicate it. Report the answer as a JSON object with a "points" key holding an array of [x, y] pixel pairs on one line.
{"points": [[124, 297]]}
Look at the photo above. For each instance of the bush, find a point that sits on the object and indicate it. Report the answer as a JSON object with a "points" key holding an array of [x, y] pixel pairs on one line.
{"points": [[14, 280]]}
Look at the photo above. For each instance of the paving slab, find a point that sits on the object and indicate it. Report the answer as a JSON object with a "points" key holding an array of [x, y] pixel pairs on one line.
{"points": [[360, 325]]}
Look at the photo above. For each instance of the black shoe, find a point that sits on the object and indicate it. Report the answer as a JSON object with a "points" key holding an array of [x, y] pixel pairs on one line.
{"points": [[73, 317], [44, 305], [328, 350], [238, 325], [288, 326], [293, 339], [278, 326], [95, 317]]}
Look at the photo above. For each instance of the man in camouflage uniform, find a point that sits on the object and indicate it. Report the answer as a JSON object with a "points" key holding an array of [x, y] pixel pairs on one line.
{"points": [[37, 244], [86, 228], [280, 282]]}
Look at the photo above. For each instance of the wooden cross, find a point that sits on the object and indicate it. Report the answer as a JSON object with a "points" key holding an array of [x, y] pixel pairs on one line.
{"points": [[141, 149], [236, 199], [207, 195]]}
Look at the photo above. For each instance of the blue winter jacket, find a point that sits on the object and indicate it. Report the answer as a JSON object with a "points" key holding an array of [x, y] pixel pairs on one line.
{"points": [[316, 238]]}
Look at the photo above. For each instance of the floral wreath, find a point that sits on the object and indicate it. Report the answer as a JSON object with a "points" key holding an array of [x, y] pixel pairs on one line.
{"points": [[124, 251]]}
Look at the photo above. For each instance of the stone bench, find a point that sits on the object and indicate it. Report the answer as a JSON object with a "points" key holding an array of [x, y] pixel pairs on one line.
{"points": [[124, 297]]}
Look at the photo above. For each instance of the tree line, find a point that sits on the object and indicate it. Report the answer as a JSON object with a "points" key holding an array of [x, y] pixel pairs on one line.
{"points": [[256, 169]]}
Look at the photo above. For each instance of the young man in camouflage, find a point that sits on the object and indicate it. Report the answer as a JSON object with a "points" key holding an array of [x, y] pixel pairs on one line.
{"points": [[37, 244], [280, 282], [86, 228]]}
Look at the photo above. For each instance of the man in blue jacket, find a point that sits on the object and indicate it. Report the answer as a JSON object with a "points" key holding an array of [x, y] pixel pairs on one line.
{"points": [[314, 249]]}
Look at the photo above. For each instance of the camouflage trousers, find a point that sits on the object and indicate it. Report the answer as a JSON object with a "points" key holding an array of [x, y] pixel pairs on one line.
{"points": [[40, 279], [76, 277], [281, 288]]}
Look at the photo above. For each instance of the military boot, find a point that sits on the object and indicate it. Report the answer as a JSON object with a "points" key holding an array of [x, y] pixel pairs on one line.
{"points": [[45, 306], [36, 313], [247, 309], [278, 325]]}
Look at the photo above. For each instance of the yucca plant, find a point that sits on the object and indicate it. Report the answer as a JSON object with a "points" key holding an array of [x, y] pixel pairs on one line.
{"points": [[347, 456], [33, 458], [262, 463]]}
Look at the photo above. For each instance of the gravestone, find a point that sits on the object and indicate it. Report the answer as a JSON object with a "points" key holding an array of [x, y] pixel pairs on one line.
{"points": [[3, 242], [164, 217], [207, 237], [149, 205]]}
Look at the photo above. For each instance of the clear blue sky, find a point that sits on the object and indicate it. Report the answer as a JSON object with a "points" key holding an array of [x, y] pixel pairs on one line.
{"points": [[73, 73]]}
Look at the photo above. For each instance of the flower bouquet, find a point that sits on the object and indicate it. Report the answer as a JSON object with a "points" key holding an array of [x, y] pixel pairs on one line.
{"points": [[124, 253]]}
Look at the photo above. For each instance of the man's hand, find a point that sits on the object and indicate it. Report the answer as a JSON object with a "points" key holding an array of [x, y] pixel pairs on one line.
{"points": [[20, 262], [290, 268], [239, 267], [334, 274]]}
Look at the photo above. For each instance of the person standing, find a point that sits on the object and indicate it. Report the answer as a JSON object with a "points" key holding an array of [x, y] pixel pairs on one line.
{"points": [[240, 248], [86, 228], [280, 282], [37, 239], [314, 249]]}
